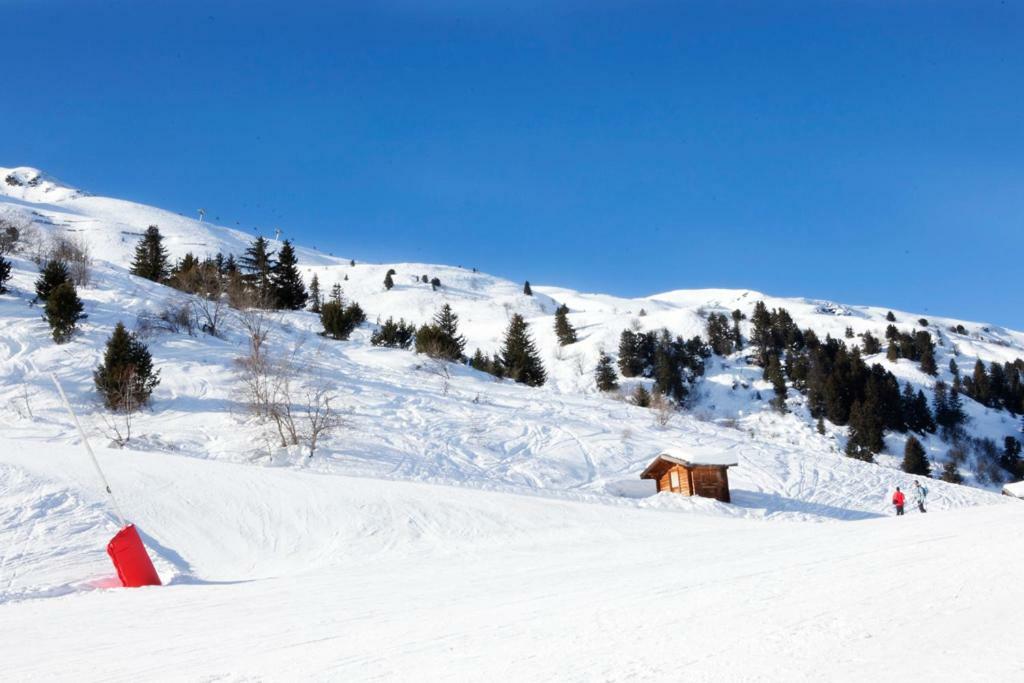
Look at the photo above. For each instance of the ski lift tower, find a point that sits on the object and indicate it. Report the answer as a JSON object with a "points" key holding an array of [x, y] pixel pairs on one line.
{"points": [[202, 215], [277, 234]]}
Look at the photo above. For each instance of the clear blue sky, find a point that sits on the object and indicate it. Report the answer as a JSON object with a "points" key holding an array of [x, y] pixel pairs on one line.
{"points": [[869, 152]]}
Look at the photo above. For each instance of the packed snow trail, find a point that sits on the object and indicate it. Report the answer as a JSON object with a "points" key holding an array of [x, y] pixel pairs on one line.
{"points": [[277, 574]]}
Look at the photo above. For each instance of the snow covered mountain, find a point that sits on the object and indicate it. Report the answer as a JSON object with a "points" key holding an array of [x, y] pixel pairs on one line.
{"points": [[574, 452]]}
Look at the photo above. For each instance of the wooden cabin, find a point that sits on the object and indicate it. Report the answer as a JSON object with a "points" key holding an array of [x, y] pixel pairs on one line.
{"points": [[695, 472]]}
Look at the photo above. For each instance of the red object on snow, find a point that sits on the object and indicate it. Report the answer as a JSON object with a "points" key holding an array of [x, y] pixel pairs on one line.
{"points": [[131, 560], [897, 498]]}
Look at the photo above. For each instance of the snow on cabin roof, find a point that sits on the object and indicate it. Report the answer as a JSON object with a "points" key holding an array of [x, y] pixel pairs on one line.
{"points": [[1016, 489], [700, 455]]}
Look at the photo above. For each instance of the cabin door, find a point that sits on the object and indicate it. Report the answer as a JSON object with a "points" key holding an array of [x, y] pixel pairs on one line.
{"points": [[673, 480], [707, 483]]}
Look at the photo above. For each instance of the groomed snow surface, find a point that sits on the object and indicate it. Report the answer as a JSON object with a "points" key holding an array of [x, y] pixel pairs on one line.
{"points": [[277, 574], [458, 527]]}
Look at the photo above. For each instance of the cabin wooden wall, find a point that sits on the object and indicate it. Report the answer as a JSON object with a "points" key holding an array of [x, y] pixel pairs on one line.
{"points": [[685, 486], [710, 482]]}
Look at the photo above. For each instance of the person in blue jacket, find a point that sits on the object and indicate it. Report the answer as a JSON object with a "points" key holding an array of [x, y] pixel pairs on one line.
{"points": [[920, 495]]}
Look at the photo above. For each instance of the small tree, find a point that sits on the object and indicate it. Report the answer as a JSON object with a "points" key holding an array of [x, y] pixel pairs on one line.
{"points": [[339, 320], [125, 379], [315, 297], [605, 376], [55, 273], [915, 461], [564, 330], [257, 265], [441, 339], [63, 311], [150, 259], [890, 317], [773, 373], [396, 335], [641, 397], [388, 281], [526, 289], [519, 356], [435, 283], [289, 290], [951, 473], [5, 274]]}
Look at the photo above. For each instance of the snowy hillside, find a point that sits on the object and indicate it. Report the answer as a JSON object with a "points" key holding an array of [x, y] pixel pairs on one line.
{"points": [[495, 504], [274, 574], [402, 423]]}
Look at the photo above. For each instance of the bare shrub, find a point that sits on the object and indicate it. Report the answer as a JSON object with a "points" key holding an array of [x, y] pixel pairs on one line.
{"points": [[117, 424], [664, 409], [73, 251], [178, 317], [321, 416]]}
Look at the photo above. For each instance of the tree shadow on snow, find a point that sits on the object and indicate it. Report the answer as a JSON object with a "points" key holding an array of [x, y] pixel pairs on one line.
{"points": [[773, 504]]}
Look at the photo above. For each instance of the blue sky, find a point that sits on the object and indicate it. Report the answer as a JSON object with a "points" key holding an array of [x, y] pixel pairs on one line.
{"points": [[868, 152]]}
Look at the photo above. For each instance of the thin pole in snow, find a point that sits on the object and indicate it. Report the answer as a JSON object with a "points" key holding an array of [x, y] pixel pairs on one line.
{"points": [[88, 448]]}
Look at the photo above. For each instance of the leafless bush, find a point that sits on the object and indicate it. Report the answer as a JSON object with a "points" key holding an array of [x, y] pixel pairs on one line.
{"points": [[271, 382], [73, 251], [117, 425], [664, 409], [321, 416], [178, 317]]}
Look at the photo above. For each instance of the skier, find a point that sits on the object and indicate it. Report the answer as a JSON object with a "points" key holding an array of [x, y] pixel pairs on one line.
{"points": [[898, 499], [920, 493]]}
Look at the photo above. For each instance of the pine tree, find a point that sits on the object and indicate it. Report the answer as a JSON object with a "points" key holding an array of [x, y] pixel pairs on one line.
{"points": [[915, 461], [862, 433], [641, 397], [821, 425], [388, 281], [289, 290], [526, 289], [151, 259], [441, 339], [394, 335], [339, 320], [1010, 460], [762, 337], [605, 375], [773, 373], [257, 265], [63, 310], [315, 297], [926, 352], [479, 361], [55, 273], [979, 384], [720, 337], [336, 295], [564, 330], [5, 274], [519, 356], [951, 473], [435, 283], [871, 344], [125, 379], [737, 337], [890, 317]]}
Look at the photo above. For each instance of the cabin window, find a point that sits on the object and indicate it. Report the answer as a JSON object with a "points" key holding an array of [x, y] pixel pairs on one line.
{"points": [[674, 478]]}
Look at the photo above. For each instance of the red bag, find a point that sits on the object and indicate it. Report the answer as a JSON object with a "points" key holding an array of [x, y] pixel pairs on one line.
{"points": [[131, 560]]}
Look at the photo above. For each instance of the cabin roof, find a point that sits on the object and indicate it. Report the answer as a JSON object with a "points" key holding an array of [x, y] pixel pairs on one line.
{"points": [[695, 457], [1016, 489]]}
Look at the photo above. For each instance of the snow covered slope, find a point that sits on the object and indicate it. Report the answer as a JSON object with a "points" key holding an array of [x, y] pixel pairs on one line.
{"points": [[458, 526], [274, 574]]}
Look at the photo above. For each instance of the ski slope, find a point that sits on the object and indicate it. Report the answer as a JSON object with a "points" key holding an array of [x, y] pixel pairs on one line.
{"points": [[276, 574], [458, 526]]}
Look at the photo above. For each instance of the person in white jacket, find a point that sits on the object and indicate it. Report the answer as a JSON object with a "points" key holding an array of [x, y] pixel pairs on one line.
{"points": [[920, 495]]}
